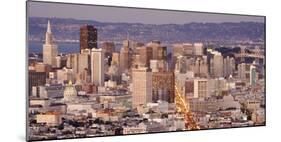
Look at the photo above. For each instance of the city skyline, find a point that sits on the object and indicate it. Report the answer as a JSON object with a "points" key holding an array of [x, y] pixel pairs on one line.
{"points": [[121, 86]]}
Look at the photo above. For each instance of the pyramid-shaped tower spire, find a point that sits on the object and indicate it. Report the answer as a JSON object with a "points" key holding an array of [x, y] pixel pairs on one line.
{"points": [[49, 27], [49, 36]]}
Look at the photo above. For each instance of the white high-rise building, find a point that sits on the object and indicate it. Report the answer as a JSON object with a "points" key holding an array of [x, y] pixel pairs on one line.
{"points": [[218, 64], [201, 88], [198, 49], [154, 65], [97, 66], [253, 75], [142, 86], [228, 66], [50, 49]]}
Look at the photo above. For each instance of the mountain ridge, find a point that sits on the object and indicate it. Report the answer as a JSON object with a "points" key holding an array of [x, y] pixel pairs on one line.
{"points": [[68, 29]]}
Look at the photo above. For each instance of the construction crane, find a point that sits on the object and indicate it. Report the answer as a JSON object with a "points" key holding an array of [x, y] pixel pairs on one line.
{"points": [[181, 105]]}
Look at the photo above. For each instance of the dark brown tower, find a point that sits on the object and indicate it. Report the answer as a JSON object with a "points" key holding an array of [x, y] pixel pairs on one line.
{"points": [[88, 37]]}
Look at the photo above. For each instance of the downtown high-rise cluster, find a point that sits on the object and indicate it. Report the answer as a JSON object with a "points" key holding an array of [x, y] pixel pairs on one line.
{"points": [[103, 91]]}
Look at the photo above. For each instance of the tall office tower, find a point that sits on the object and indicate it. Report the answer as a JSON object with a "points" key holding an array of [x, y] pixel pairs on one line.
{"points": [[50, 50], [242, 71], [209, 59], [253, 75], [84, 76], [72, 62], [58, 61], [79, 62], [228, 66], [201, 88], [115, 59], [203, 68], [124, 56], [154, 66], [142, 86], [218, 65], [108, 48], [97, 66], [155, 45], [163, 84], [145, 55], [162, 53], [199, 67], [136, 61], [198, 49], [116, 63], [84, 61], [177, 50], [88, 37], [195, 66], [181, 64]]}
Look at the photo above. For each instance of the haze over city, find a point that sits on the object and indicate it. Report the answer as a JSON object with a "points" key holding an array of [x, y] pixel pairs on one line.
{"points": [[130, 15]]}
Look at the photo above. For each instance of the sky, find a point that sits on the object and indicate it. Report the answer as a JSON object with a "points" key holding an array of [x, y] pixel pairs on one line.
{"points": [[129, 15]]}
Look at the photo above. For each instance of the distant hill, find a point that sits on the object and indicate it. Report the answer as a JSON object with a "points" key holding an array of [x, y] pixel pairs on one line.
{"points": [[68, 29]]}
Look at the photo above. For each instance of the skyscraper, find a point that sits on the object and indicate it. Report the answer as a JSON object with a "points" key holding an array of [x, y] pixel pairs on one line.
{"points": [[199, 67], [50, 50], [88, 37], [218, 64], [97, 66], [228, 66], [145, 55], [181, 64], [124, 56], [142, 86], [154, 45], [136, 61], [200, 88], [198, 49], [154, 65], [84, 61], [162, 53], [115, 59], [72, 62], [108, 48], [253, 74], [159, 52]]}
